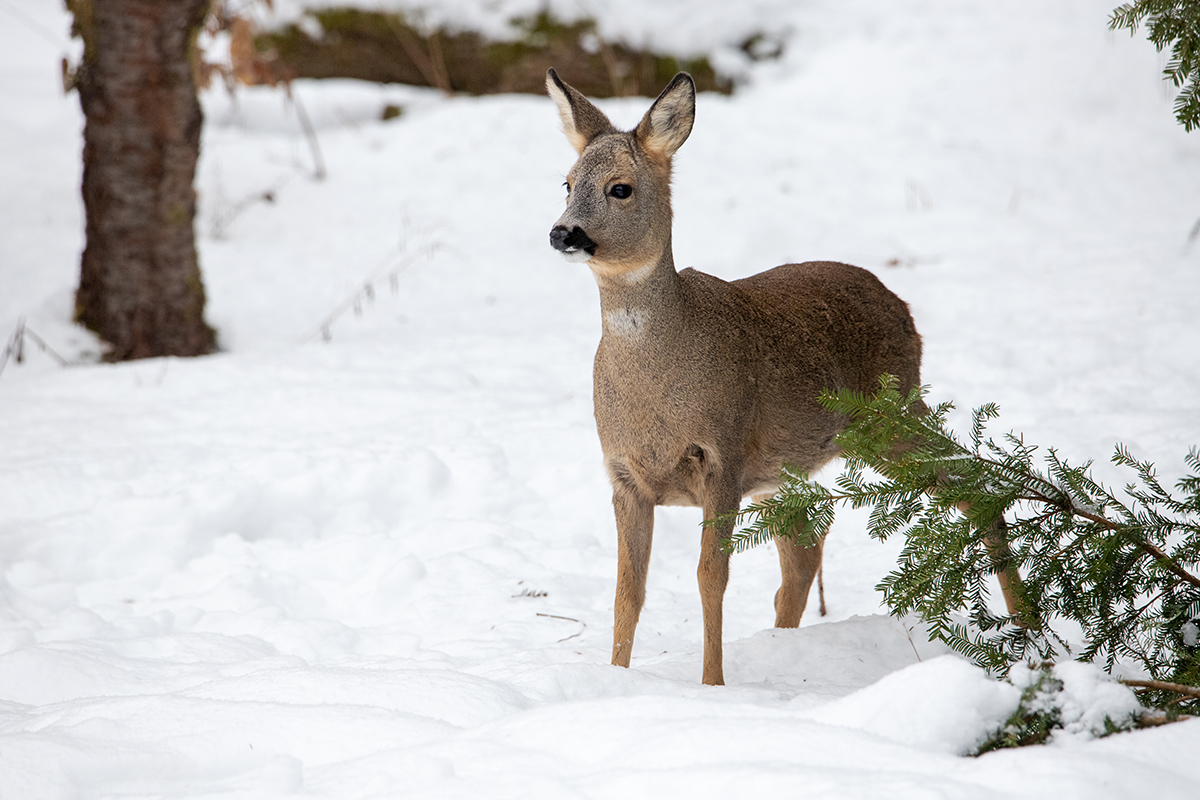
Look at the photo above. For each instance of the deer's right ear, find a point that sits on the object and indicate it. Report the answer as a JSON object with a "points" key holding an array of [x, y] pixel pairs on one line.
{"points": [[581, 120]]}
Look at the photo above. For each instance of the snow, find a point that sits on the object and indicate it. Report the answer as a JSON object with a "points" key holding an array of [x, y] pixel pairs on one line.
{"points": [[943, 705], [383, 565], [1085, 699]]}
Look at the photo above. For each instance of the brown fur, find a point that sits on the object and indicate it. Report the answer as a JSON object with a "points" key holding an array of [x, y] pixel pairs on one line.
{"points": [[704, 388]]}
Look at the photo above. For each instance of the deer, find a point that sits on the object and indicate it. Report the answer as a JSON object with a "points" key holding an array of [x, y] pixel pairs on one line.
{"points": [[704, 388]]}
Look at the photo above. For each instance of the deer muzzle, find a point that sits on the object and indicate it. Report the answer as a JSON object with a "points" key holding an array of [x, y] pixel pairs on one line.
{"points": [[572, 243]]}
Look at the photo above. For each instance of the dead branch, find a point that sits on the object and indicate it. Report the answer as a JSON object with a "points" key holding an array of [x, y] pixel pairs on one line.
{"points": [[1163, 686]]}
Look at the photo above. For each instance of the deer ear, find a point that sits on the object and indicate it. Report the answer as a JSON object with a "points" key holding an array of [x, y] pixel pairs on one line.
{"points": [[581, 120], [667, 124]]}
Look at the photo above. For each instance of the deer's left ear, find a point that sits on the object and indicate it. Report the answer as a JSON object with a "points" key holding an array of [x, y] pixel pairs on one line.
{"points": [[668, 123], [581, 120]]}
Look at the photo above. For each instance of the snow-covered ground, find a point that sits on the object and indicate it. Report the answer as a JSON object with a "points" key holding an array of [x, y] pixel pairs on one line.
{"points": [[382, 565]]}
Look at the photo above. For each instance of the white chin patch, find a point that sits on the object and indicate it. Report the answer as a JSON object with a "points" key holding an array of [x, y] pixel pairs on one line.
{"points": [[577, 256]]}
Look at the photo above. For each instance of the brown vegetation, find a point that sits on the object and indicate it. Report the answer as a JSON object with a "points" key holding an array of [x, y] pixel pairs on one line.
{"points": [[386, 48]]}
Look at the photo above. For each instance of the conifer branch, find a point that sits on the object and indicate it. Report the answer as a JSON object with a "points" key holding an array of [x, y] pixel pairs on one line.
{"points": [[1174, 24], [1063, 547]]}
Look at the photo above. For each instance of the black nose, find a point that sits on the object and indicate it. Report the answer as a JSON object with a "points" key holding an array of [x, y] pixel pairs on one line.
{"points": [[558, 237], [570, 241]]}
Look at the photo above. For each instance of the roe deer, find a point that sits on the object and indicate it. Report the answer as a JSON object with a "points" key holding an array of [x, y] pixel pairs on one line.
{"points": [[704, 388]]}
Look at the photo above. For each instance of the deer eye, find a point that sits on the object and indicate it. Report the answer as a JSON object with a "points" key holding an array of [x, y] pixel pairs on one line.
{"points": [[621, 191]]}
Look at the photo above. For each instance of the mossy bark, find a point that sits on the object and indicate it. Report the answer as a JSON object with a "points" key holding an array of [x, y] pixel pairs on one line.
{"points": [[140, 288]]}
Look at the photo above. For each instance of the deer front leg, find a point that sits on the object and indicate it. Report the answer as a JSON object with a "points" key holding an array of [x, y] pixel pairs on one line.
{"points": [[635, 530], [713, 574]]}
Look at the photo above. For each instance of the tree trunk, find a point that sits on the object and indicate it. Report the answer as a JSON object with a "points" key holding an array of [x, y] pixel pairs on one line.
{"points": [[140, 287]]}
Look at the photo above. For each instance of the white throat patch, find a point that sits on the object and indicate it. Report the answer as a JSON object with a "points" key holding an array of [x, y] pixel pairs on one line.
{"points": [[626, 322]]}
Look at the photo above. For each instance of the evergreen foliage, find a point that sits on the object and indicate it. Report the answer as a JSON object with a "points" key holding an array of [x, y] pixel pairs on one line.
{"points": [[1174, 23], [1122, 568], [1040, 715], [1036, 718]]}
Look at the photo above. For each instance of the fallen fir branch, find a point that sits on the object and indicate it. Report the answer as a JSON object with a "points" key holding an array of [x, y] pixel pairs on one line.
{"points": [[1122, 568]]}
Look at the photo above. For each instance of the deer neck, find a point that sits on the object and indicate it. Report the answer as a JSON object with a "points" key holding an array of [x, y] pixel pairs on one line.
{"points": [[640, 302]]}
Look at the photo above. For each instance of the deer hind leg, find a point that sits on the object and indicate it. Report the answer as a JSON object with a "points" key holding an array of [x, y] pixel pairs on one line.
{"points": [[635, 531], [799, 566], [996, 542]]}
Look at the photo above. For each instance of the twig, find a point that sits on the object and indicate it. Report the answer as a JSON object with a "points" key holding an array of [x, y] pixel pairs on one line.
{"points": [[15, 349], [911, 643], [309, 133], [15, 345], [390, 268], [45, 348], [618, 71], [425, 63], [1163, 686], [1154, 719], [568, 619], [222, 219], [438, 60]]}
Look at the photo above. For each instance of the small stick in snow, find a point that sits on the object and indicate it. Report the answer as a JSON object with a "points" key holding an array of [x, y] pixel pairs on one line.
{"points": [[582, 625]]}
